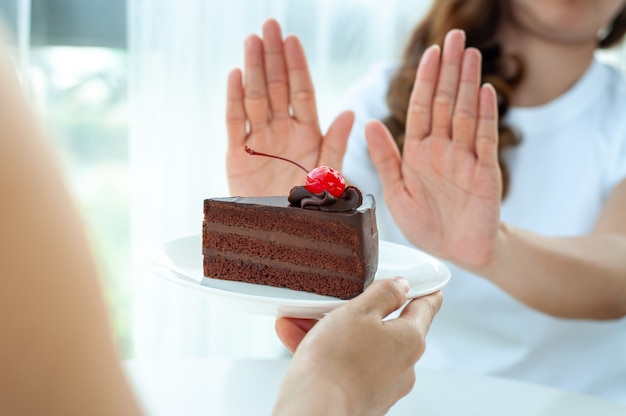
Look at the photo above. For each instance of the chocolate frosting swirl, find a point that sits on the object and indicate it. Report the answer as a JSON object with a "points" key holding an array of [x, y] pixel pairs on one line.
{"points": [[301, 197]]}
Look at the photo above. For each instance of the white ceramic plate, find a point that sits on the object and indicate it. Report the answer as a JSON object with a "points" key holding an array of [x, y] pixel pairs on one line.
{"points": [[180, 261]]}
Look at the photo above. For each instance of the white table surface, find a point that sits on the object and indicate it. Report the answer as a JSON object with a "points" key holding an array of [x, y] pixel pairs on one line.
{"points": [[225, 387]]}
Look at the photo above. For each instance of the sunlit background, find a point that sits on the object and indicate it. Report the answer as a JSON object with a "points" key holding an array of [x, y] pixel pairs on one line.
{"points": [[133, 95], [77, 61]]}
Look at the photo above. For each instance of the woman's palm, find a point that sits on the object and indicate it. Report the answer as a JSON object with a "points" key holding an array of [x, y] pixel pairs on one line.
{"points": [[275, 112], [444, 191]]}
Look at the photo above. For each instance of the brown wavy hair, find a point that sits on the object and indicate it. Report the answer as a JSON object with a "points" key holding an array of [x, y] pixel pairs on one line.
{"points": [[480, 20]]}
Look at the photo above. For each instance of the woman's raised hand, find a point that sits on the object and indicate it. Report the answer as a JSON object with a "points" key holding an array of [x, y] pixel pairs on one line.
{"points": [[444, 191], [273, 110]]}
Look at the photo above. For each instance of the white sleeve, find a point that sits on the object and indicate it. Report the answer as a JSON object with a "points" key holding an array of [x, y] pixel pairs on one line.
{"points": [[616, 168], [617, 172]]}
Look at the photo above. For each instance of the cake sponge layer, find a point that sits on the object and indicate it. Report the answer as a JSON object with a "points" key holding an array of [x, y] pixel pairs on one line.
{"points": [[264, 241], [308, 280]]}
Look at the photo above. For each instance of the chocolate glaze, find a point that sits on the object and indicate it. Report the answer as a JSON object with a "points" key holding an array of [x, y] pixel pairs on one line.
{"points": [[301, 197]]}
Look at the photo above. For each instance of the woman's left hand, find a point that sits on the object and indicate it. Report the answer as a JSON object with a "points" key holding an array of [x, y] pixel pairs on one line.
{"points": [[444, 191]]}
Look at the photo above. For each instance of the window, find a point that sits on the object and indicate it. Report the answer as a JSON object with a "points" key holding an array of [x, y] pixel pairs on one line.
{"points": [[77, 61]]}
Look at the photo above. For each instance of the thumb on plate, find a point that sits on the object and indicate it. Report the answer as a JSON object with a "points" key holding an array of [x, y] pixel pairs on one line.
{"points": [[382, 297]]}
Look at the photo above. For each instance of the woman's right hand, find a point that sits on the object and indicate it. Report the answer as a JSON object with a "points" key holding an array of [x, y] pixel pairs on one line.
{"points": [[274, 111]]}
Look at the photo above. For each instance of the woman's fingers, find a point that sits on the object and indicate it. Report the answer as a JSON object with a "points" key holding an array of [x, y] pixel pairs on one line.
{"points": [[487, 129], [448, 82], [445, 97], [464, 119], [235, 111], [275, 70], [277, 79], [301, 90], [420, 106], [256, 98]]}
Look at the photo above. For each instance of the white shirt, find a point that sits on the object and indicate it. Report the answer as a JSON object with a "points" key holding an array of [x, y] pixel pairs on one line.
{"points": [[572, 154]]}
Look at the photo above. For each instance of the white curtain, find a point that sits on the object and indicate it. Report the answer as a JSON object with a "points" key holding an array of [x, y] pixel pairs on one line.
{"points": [[180, 54], [16, 24]]}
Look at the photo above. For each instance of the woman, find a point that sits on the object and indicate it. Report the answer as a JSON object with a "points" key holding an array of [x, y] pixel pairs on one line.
{"points": [[533, 229]]}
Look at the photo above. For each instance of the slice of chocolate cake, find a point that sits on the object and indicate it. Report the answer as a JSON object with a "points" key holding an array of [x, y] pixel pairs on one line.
{"points": [[308, 247]]}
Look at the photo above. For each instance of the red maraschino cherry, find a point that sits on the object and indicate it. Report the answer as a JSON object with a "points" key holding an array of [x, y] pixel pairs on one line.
{"points": [[322, 178]]}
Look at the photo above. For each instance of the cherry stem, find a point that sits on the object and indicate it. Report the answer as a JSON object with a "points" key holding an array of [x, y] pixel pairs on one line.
{"points": [[255, 153]]}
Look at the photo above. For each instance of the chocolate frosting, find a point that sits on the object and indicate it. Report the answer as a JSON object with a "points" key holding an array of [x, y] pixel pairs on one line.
{"points": [[350, 200]]}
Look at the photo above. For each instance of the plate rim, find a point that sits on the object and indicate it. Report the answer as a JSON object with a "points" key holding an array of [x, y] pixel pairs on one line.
{"points": [[162, 265]]}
